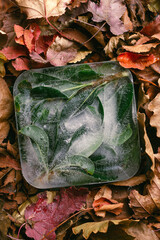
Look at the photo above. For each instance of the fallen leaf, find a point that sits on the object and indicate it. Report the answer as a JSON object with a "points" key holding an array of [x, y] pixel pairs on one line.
{"points": [[110, 11], [81, 55], [112, 45], [61, 52], [6, 101], [127, 22], [91, 227], [4, 130], [10, 178], [154, 6], [7, 161], [20, 197], [134, 181], [14, 52], [135, 60], [143, 98], [103, 202], [94, 227], [46, 217], [8, 205], [77, 36], [76, 4], [136, 12], [43, 8], [153, 106], [37, 58], [4, 224], [3, 60], [3, 37], [21, 64], [19, 31], [143, 48], [145, 139]]}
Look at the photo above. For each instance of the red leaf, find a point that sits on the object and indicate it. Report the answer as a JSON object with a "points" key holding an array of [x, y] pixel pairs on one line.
{"points": [[18, 30], [43, 43], [35, 29], [29, 40], [46, 217], [14, 52], [21, 64], [152, 28], [135, 60]]}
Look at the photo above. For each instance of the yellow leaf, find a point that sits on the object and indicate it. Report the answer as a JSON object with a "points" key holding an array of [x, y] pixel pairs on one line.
{"points": [[80, 56], [43, 8]]}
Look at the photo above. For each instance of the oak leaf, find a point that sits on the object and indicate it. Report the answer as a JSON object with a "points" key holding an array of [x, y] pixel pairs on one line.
{"points": [[43, 8], [110, 11]]}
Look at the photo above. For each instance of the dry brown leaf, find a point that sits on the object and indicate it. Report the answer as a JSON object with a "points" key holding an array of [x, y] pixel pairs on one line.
{"points": [[154, 106], [8, 205], [149, 204], [10, 178], [145, 138], [7, 161], [20, 197], [103, 202], [134, 181], [43, 8], [6, 101], [77, 36], [4, 130], [142, 97], [144, 48], [127, 22]]}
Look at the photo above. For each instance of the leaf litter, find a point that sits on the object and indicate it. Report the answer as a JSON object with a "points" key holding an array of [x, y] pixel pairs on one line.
{"points": [[44, 33]]}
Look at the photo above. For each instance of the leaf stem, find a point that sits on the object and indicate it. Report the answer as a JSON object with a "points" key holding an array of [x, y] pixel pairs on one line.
{"points": [[53, 230]]}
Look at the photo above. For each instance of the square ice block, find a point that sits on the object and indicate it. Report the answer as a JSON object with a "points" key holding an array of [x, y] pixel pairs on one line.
{"points": [[77, 125]]}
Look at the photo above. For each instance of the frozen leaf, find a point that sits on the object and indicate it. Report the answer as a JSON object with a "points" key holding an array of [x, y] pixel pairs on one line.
{"points": [[21, 64], [43, 8], [81, 55], [142, 48], [6, 101], [14, 52], [135, 60], [46, 216], [145, 138], [154, 106], [110, 11], [103, 202]]}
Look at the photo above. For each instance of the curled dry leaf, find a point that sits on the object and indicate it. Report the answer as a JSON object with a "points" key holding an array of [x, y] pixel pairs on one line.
{"points": [[135, 60], [145, 139], [81, 55], [143, 98], [141, 48], [4, 130], [154, 106], [134, 181], [103, 202], [43, 8]]}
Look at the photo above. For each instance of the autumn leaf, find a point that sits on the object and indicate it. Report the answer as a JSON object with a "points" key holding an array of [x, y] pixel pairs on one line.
{"points": [[14, 52], [155, 118], [21, 64], [111, 12], [44, 8], [154, 5], [103, 202], [45, 215], [135, 60]]}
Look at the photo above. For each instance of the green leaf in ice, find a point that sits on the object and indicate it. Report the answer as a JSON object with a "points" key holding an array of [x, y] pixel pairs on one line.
{"points": [[41, 142], [76, 161], [123, 136], [46, 92]]}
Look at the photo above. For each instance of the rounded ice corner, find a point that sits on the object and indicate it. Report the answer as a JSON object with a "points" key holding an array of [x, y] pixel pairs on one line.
{"points": [[100, 97]]}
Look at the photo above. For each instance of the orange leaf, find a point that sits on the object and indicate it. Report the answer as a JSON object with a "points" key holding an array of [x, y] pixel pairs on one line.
{"points": [[135, 60]]}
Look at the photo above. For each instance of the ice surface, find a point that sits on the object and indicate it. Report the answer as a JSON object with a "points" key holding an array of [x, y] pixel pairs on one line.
{"points": [[90, 124]]}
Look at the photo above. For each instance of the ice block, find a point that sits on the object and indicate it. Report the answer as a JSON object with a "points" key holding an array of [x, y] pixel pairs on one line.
{"points": [[77, 125]]}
